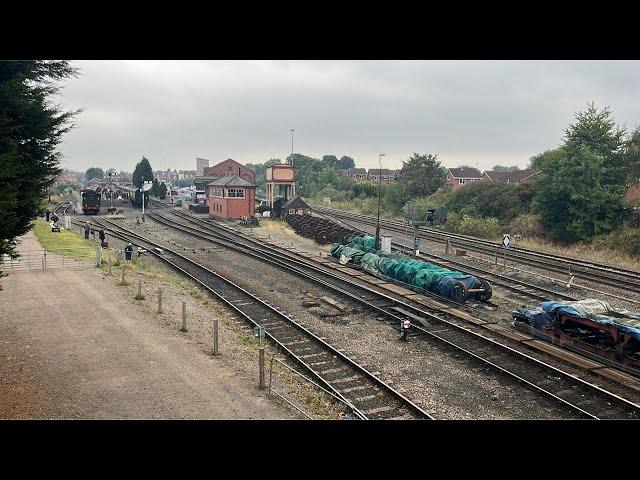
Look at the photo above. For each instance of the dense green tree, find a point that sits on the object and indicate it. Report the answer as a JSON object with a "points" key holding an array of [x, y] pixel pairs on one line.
{"points": [[503, 201], [501, 168], [422, 175], [347, 162], [579, 192], [31, 128], [330, 161], [94, 172], [162, 191], [142, 171]]}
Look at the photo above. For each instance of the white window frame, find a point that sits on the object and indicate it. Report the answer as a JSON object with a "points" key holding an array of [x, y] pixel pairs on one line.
{"points": [[462, 181], [235, 193], [292, 211]]}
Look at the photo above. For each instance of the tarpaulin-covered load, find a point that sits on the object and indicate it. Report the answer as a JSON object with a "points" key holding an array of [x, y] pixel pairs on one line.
{"points": [[424, 276], [590, 309], [351, 255]]}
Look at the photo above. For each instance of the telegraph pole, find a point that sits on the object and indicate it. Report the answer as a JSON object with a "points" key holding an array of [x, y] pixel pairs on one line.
{"points": [[379, 190]]}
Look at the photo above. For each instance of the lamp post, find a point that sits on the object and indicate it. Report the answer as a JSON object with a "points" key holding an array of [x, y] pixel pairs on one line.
{"points": [[379, 190], [292, 130]]}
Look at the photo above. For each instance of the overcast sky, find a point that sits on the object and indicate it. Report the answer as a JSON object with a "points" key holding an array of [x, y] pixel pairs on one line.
{"points": [[468, 112]]}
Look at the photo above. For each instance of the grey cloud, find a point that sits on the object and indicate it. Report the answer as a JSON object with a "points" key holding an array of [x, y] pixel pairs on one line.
{"points": [[483, 112]]}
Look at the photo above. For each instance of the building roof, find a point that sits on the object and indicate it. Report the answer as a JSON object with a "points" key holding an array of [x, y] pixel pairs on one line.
{"points": [[511, 177], [230, 181], [295, 202], [354, 171], [465, 172], [384, 171]]}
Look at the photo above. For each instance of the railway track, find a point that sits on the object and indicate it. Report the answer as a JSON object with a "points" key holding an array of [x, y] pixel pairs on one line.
{"points": [[444, 326], [628, 280], [368, 396]]}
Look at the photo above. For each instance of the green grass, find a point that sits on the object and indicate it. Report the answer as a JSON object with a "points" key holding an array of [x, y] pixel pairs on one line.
{"points": [[66, 242]]}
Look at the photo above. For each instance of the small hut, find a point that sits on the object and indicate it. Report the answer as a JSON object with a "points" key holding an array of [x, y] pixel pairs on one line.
{"points": [[295, 206]]}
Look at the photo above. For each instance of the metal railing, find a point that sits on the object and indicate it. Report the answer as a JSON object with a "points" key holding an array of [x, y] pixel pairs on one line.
{"points": [[354, 411], [40, 260]]}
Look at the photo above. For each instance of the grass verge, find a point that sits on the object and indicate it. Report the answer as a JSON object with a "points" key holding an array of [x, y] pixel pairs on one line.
{"points": [[66, 242]]}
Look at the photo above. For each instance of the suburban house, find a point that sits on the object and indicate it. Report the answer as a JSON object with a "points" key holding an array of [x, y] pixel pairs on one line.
{"points": [[387, 175], [517, 176], [457, 177], [354, 173]]}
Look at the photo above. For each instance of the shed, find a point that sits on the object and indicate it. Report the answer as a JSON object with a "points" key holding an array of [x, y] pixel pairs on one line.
{"points": [[295, 206]]}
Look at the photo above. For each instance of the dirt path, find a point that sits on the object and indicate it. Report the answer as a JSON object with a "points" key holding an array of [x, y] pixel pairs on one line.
{"points": [[72, 347]]}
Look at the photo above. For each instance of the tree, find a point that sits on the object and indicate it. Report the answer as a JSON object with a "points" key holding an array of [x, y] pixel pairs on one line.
{"points": [[31, 127], [142, 171], [330, 161], [579, 192], [500, 168], [422, 175], [162, 191], [94, 172], [347, 162]]}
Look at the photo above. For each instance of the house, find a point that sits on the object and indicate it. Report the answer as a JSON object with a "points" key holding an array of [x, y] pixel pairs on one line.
{"points": [[457, 177], [387, 175], [516, 176], [354, 173], [295, 206], [231, 197]]}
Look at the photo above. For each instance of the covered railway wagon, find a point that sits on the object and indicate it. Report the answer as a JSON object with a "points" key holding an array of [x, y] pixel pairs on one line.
{"points": [[591, 325], [90, 201], [135, 197]]}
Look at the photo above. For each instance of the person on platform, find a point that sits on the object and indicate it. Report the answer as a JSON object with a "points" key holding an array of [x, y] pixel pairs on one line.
{"points": [[87, 228], [102, 236], [128, 251]]}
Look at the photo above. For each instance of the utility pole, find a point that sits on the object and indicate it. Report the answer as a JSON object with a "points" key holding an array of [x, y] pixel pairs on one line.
{"points": [[142, 195], [379, 190]]}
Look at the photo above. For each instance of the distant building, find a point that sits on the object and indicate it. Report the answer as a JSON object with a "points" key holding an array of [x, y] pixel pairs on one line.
{"points": [[387, 175], [295, 206], [457, 177], [227, 167], [66, 177], [201, 165], [516, 176], [354, 173]]}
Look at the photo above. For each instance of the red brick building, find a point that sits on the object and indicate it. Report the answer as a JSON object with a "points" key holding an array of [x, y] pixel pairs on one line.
{"points": [[457, 177], [231, 197], [230, 167]]}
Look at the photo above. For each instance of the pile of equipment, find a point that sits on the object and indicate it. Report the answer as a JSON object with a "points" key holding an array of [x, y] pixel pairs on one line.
{"points": [[591, 325], [418, 275]]}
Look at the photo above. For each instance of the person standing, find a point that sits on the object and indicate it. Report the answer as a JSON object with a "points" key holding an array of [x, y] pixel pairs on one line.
{"points": [[87, 228], [128, 251], [48, 214], [102, 236]]}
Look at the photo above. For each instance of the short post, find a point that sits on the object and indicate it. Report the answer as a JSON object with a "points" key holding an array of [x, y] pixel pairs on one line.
{"points": [[215, 336], [496, 257], [261, 366], [110, 264], [43, 264], [139, 296], [184, 317], [159, 300], [447, 246], [122, 279]]}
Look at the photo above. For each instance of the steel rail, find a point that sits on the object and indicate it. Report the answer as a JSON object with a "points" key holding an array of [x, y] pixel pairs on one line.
{"points": [[404, 402], [622, 278], [504, 348]]}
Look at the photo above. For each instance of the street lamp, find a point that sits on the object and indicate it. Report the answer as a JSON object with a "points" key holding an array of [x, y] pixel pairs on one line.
{"points": [[379, 189], [292, 130]]}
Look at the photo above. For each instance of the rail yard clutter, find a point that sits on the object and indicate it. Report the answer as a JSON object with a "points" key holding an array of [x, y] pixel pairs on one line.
{"points": [[590, 324], [423, 276]]}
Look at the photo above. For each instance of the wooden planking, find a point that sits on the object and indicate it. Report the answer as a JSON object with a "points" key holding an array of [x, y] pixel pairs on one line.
{"points": [[562, 354]]}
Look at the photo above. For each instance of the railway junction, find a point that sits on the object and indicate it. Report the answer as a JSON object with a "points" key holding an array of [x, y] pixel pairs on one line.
{"points": [[333, 330]]}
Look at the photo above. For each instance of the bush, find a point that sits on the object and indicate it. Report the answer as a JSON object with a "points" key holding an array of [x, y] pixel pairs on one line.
{"points": [[489, 228], [626, 240], [526, 226]]}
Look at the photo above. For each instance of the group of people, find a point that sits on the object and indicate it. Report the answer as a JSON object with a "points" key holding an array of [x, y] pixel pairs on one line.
{"points": [[128, 249]]}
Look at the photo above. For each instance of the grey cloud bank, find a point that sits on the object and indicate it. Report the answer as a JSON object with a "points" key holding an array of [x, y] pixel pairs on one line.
{"points": [[474, 112]]}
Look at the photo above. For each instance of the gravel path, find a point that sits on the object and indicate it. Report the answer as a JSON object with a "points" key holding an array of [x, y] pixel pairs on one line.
{"points": [[72, 345]]}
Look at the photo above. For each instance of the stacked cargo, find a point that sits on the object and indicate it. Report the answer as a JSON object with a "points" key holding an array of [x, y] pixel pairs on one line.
{"points": [[419, 275]]}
